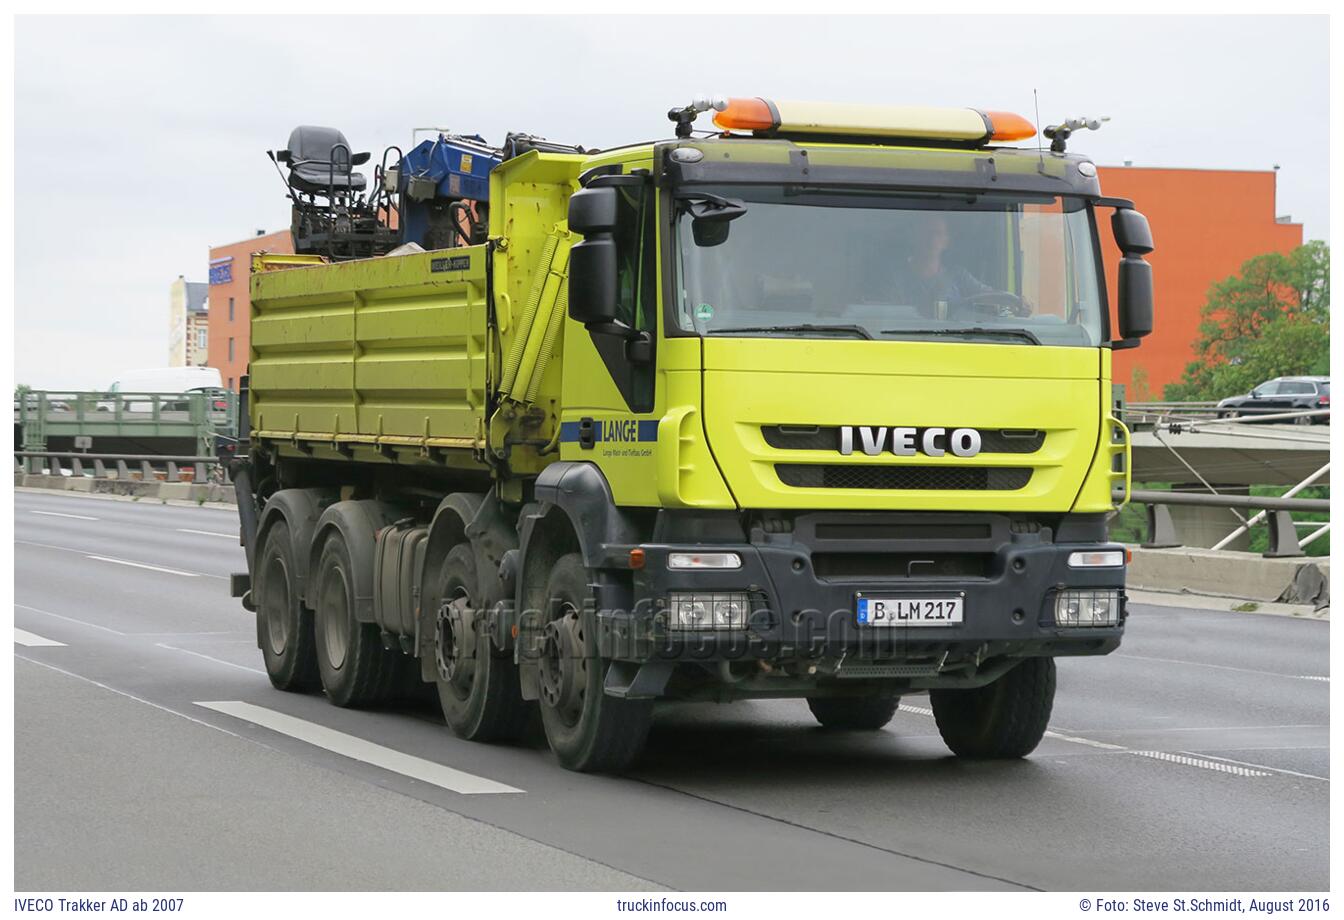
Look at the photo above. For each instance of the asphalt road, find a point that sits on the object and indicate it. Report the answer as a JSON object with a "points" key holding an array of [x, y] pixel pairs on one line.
{"points": [[1195, 758]]}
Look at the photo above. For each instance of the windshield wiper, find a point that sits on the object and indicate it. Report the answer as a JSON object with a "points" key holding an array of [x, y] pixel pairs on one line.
{"points": [[860, 331], [1001, 332]]}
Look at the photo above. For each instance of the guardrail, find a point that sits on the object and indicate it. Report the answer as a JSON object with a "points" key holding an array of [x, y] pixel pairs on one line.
{"points": [[1283, 538], [1165, 413], [122, 467], [43, 414]]}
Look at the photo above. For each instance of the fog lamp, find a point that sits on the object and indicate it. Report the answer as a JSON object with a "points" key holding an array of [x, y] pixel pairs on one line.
{"points": [[1087, 607], [720, 610]]}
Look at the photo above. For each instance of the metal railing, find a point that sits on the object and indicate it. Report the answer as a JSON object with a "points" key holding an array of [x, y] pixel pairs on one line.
{"points": [[43, 414], [1197, 413], [1276, 511], [122, 467]]}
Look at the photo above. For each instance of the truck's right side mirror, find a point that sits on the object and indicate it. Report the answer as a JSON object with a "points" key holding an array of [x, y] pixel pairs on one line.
{"points": [[593, 293], [1135, 239]]}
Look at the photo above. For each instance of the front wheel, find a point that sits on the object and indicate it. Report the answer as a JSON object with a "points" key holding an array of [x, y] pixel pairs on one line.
{"points": [[1001, 720], [588, 730]]}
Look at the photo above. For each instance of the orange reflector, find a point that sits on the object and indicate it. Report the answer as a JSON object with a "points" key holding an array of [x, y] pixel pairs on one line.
{"points": [[746, 114], [1010, 127], [636, 558], [1129, 555], [513, 631]]}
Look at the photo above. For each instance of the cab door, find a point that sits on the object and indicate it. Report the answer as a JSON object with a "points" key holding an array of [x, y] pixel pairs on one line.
{"points": [[610, 394]]}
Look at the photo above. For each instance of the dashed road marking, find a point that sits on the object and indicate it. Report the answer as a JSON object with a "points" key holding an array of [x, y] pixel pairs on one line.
{"points": [[1200, 762], [1217, 667], [356, 748], [78, 517], [187, 651], [32, 640], [142, 565], [208, 533], [59, 616], [1260, 766], [917, 710], [1312, 677]]}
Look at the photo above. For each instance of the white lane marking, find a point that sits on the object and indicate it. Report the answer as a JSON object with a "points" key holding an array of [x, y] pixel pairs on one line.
{"points": [[917, 710], [78, 517], [32, 640], [1261, 766], [359, 749], [141, 565], [131, 696], [1075, 739], [187, 651], [1200, 762], [48, 613], [84, 552], [1312, 677], [208, 533], [1219, 667]]}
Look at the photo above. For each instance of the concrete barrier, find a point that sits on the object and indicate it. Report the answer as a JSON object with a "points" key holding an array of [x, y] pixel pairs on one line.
{"points": [[165, 491], [1299, 580]]}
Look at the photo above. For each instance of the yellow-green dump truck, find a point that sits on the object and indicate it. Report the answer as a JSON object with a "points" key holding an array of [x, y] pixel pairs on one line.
{"points": [[817, 406]]}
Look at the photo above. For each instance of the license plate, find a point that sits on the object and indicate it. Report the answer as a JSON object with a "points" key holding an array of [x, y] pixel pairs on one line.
{"points": [[909, 611]]}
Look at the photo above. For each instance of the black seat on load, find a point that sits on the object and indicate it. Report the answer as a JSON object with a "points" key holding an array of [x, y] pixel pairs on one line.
{"points": [[310, 161]]}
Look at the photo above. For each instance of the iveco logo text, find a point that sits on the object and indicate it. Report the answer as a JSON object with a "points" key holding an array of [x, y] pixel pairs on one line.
{"points": [[906, 442]]}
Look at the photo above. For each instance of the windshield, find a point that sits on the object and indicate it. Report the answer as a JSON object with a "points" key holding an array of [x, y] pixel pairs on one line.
{"points": [[816, 262]]}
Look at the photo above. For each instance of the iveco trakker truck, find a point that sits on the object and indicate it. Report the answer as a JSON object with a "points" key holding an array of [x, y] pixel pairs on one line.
{"points": [[814, 405]]}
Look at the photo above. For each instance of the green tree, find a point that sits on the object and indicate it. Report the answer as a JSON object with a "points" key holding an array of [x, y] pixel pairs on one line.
{"points": [[21, 390], [1270, 320]]}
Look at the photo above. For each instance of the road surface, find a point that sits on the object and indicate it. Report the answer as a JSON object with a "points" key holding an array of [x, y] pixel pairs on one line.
{"points": [[151, 753]]}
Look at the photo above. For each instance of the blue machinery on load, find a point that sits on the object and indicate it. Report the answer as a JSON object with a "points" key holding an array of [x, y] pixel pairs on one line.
{"points": [[437, 196]]}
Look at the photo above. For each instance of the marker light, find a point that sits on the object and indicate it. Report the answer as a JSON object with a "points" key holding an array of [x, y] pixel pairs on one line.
{"points": [[747, 114], [1006, 126], [1094, 560], [704, 561], [966, 126]]}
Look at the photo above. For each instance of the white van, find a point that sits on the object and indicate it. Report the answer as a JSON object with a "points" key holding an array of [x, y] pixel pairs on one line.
{"points": [[164, 380]]}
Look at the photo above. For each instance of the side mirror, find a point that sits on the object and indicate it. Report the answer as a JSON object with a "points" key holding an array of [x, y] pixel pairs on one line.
{"points": [[1135, 239], [592, 281], [593, 210], [359, 159], [1136, 298], [1132, 233]]}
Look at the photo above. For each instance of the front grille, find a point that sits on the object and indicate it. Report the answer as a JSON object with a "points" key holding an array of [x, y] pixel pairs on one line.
{"points": [[916, 478], [827, 437]]}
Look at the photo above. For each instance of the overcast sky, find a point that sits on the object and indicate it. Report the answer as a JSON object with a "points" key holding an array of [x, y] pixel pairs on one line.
{"points": [[139, 141]]}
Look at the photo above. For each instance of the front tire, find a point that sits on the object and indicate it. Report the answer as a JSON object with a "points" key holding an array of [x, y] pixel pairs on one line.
{"points": [[588, 731], [1001, 720], [866, 714], [478, 685], [355, 668], [284, 624]]}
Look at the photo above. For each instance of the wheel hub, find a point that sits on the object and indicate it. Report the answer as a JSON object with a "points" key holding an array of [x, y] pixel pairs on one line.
{"points": [[455, 643], [564, 669]]}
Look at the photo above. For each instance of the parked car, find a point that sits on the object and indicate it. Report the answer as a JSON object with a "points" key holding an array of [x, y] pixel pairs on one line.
{"points": [[1282, 394]]}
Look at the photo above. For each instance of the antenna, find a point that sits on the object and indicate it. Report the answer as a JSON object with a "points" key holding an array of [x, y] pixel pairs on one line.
{"points": [[1040, 150]]}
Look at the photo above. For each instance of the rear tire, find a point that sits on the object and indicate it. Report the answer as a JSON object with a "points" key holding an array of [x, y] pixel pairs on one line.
{"points": [[477, 683], [864, 714], [355, 668], [1001, 720], [284, 624], [588, 730]]}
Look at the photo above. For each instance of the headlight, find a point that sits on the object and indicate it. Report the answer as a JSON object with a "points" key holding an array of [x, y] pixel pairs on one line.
{"points": [[1087, 607], [709, 611]]}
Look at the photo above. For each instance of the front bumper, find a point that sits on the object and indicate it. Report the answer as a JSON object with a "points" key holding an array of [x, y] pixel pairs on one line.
{"points": [[797, 613]]}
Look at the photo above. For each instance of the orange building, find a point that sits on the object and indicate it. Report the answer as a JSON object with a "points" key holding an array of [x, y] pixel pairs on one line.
{"points": [[230, 304], [1206, 223]]}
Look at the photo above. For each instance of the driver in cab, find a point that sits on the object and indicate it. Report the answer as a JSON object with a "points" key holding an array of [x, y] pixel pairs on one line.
{"points": [[926, 282]]}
